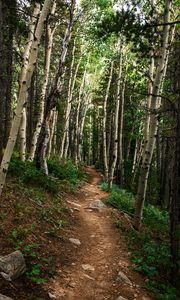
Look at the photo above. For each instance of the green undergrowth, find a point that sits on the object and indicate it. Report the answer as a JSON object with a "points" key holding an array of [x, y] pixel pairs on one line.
{"points": [[150, 248], [61, 173], [34, 216]]}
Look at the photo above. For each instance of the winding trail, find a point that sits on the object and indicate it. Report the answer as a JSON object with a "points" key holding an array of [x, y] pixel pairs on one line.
{"points": [[103, 248]]}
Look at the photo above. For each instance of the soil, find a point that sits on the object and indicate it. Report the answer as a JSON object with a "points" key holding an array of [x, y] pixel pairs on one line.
{"points": [[103, 247]]}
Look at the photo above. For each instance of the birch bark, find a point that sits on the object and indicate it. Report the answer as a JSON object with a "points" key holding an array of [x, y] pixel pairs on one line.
{"points": [[25, 81], [115, 138], [76, 139], [72, 81], [149, 147], [48, 52], [54, 93], [105, 158]]}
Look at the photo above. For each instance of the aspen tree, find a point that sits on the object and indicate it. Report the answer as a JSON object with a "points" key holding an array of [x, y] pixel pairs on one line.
{"points": [[76, 138], [87, 102], [150, 89], [72, 81], [149, 147], [115, 137], [25, 81], [22, 134], [52, 131], [54, 141], [129, 143], [120, 168], [22, 130], [55, 91], [105, 159], [48, 52]]}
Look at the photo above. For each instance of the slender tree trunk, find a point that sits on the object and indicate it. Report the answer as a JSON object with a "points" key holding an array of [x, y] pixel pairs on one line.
{"points": [[22, 133], [25, 81], [7, 29], [90, 142], [72, 81], [149, 99], [85, 108], [2, 86], [23, 124], [105, 159], [135, 157], [129, 143], [76, 138], [115, 138], [149, 147], [53, 95], [52, 130], [31, 111], [55, 133], [137, 161], [120, 168], [48, 52]]}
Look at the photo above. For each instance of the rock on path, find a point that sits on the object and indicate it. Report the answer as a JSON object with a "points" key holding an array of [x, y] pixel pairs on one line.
{"points": [[75, 241]]}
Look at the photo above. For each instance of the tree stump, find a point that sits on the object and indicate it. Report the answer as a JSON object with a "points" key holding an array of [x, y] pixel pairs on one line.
{"points": [[12, 265], [2, 297]]}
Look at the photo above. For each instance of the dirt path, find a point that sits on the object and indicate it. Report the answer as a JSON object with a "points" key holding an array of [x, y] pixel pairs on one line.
{"points": [[103, 248]]}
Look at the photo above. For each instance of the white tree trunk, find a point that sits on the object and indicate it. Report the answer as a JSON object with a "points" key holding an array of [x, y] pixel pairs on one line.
{"points": [[22, 131], [22, 134], [72, 81], [50, 35], [27, 72], [105, 159], [52, 131], [121, 125], [149, 146], [85, 108], [115, 139], [77, 128]]}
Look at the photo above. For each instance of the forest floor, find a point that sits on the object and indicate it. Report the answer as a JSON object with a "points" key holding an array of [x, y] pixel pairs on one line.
{"points": [[102, 253]]}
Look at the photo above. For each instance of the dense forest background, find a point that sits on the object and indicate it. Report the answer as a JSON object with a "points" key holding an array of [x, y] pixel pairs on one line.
{"points": [[98, 83]]}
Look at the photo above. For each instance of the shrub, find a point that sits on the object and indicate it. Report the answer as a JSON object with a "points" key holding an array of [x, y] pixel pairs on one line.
{"points": [[122, 200], [156, 218], [59, 171], [37, 177], [150, 248], [65, 170]]}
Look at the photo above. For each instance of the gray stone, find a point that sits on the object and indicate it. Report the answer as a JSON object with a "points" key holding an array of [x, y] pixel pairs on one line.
{"points": [[2, 297], [121, 298], [88, 267], [76, 209], [75, 241], [97, 205], [12, 265], [51, 296], [88, 277], [123, 278], [72, 284]]}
